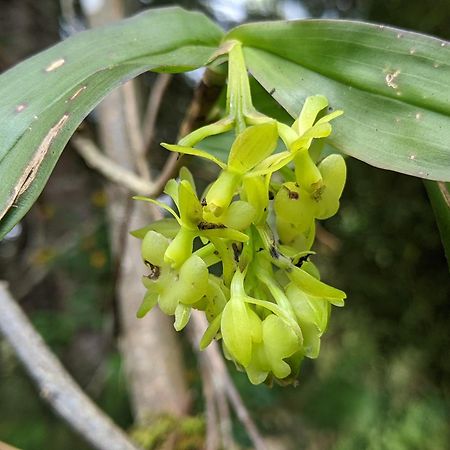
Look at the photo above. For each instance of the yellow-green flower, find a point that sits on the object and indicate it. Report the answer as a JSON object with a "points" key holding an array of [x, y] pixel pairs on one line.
{"points": [[175, 290], [191, 221]]}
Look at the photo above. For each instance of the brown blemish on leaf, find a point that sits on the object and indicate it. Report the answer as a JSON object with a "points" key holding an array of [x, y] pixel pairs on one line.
{"points": [[55, 65], [21, 107], [77, 93], [30, 172]]}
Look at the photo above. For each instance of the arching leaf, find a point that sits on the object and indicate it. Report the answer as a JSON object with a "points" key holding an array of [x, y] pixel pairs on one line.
{"points": [[393, 85], [43, 100]]}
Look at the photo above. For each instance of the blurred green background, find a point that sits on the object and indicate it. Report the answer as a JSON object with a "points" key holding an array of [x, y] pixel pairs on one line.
{"points": [[382, 380]]}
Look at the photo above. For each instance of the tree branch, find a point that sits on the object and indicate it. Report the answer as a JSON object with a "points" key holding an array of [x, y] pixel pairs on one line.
{"points": [[134, 131], [5, 446], [54, 383], [152, 355], [159, 88], [114, 172]]}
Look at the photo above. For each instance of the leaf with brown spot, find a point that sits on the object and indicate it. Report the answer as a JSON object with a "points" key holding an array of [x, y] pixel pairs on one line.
{"points": [[69, 80]]}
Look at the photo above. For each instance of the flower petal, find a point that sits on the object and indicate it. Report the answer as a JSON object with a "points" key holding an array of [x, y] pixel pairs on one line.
{"points": [[154, 247], [182, 316], [210, 332], [225, 233], [315, 287], [150, 300], [171, 189], [167, 227], [189, 205], [252, 146], [312, 106], [160, 204], [236, 330], [194, 151], [272, 163]]}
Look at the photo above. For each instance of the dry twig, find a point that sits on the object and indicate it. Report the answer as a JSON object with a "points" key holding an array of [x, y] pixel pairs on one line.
{"points": [[5, 446], [133, 128], [159, 88], [114, 172], [55, 384]]}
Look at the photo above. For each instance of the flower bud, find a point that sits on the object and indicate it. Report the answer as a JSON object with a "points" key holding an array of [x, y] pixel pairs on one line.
{"points": [[312, 314]]}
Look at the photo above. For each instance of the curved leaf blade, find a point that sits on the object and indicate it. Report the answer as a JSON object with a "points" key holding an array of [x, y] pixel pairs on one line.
{"points": [[439, 195], [393, 85], [46, 97]]}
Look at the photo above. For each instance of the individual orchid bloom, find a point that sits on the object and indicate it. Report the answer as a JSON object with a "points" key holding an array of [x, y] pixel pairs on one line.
{"points": [[175, 290], [240, 325], [246, 159], [191, 222], [334, 173], [312, 314], [296, 208], [305, 277], [278, 342], [260, 346], [298, 139]]}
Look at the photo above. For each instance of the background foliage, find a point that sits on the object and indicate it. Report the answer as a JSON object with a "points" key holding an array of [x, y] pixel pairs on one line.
{"points": [[382, 380]]}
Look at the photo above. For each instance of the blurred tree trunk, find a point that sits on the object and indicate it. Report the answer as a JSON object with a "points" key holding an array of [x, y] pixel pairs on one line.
{"points": [[150, 347], [20, 23]]}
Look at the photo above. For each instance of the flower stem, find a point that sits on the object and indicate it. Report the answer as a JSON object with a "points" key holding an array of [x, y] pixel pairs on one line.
{"points": [[239, 99]]}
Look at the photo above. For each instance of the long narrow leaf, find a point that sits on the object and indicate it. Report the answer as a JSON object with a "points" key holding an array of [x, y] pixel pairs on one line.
{"points": [[43, 100], [439, 195], [393, 85]]}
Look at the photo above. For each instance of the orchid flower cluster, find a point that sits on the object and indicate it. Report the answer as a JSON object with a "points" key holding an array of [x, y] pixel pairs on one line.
{"points": [[240, 252]]}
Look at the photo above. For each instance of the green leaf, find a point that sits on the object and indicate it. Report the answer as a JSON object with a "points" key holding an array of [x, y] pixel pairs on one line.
{"points": [[44, 99], [393, 85], [439, 195]]}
